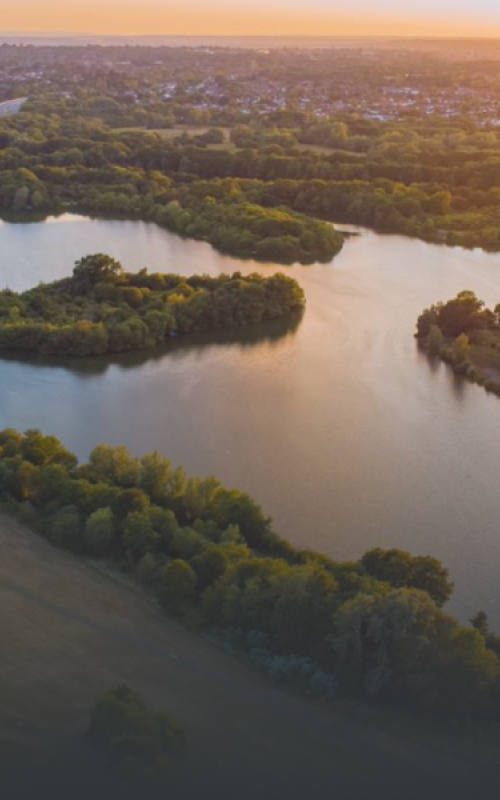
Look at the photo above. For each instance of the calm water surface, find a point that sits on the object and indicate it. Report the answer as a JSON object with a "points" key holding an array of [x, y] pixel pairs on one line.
{"points": [[344, 433]]}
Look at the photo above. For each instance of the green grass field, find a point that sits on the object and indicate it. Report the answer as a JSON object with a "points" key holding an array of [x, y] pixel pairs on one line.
{"points": [[191, 130]]}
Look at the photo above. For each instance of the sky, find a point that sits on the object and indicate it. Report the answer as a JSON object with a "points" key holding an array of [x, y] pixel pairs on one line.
{"points": [[254, 17]]}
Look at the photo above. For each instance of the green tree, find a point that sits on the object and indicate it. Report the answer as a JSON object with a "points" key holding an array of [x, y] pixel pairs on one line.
{"points": [[480, 622], [155, 476], [42, 450], [139, 537], [177, 587], [21, 198], [461, 349], [100, 532], [115, 465], [94, 269], [66, 528], [144, 743], [400, 569], [459, 315], [209, 566], [435, 340]]}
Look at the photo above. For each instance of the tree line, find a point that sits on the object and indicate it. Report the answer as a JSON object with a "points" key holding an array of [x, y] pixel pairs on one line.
{"points": [[210, 556]]}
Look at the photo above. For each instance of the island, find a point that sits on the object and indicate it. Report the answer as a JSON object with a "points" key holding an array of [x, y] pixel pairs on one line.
{"points": [[466, 335], [101, 308]]}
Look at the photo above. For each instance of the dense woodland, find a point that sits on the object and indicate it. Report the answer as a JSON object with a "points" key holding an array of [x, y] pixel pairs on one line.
{"points": [[102, 309], [261, 195], [465, 335], [249, 150], [210, 556]]}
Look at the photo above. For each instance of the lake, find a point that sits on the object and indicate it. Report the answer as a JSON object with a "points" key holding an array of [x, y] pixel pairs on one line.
{"points": [[346, 434]]}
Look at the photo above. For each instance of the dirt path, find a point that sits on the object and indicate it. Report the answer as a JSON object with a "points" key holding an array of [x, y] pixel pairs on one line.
{"points": [[69, 633]]}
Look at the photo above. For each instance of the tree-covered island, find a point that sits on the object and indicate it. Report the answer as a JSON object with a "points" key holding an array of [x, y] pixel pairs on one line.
{"points": [[103, 309], [466, 335]]}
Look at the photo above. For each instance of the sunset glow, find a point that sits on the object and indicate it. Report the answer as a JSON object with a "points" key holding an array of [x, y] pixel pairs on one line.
{"points": [[221, 17]]}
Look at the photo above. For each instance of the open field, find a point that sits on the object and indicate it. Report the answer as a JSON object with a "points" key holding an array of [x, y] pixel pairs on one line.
{"points": [[329, 151], [196, 130], [68, 633], [191, 130]]}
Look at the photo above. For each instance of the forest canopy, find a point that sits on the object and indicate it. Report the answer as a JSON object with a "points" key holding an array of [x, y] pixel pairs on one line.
{"points": [[250, 150]]}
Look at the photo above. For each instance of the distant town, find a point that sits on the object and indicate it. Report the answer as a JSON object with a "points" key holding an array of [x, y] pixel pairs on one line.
{"points": [[375, 83]]}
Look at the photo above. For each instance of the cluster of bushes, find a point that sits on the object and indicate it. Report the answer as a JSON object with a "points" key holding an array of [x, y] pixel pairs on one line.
{"points": [[251, 231], [297, 671], [139, 742], [103, 309], [210, 556], [466, 335]]}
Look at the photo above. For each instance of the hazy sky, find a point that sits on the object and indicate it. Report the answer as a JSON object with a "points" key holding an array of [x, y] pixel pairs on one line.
{"points": [[273, 17]]}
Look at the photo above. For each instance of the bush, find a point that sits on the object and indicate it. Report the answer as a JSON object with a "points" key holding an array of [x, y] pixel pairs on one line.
{"points": [[177, 587], [66, 529], [144, 743]]}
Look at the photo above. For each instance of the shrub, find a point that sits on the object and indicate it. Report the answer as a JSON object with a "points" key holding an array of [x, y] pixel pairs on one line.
{"points": [[144, 743]]}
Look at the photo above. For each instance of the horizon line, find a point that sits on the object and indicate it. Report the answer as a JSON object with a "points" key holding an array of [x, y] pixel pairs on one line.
{"points": [[90, 34]]}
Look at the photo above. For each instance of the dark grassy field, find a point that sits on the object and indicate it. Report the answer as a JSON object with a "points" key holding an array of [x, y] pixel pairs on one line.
{"points": [[69, 633]]}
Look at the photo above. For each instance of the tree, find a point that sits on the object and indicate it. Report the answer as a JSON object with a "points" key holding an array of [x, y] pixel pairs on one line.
{"points": [[51, 482], [139, 537], [147, 569], [480, 622], [94, 269], [43, 450], [129, 500], [459, 315], [144, 743], [304, 599], [426, 321], [400, 569], [440, 203], [21, 198], [460, 349], [379, 636], [115, 465], [100, 532], [435, 340], [236, 508], [155, 476], [209, 565], [23, 480], [177, 586], [66, 528]]}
